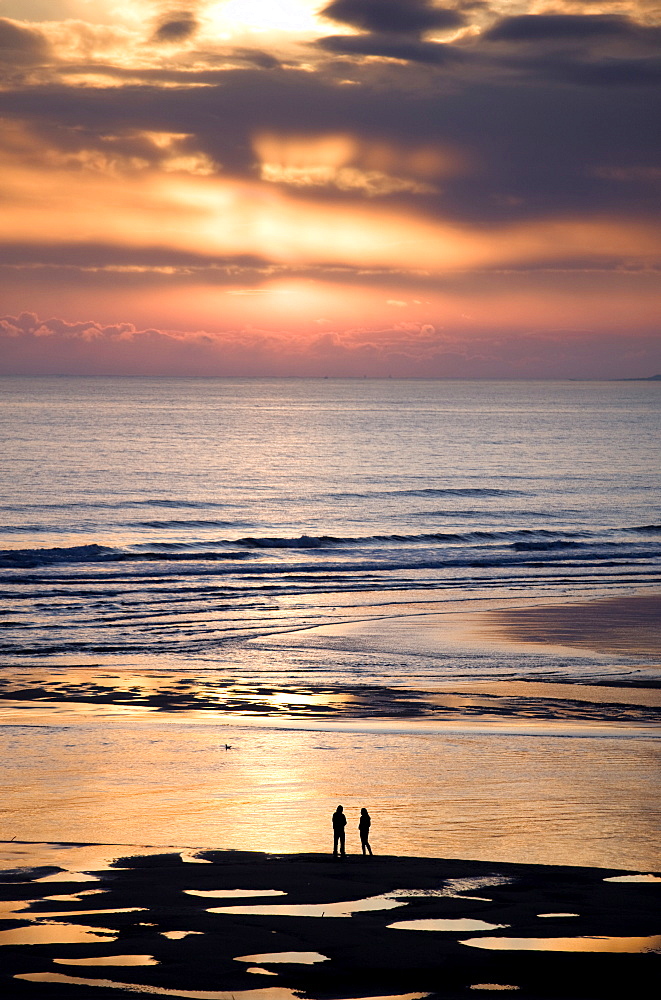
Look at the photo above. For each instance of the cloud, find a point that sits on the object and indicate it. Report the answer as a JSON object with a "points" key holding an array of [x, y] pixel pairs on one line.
{"points": [[392, 30], [20, 44], [31, 345], [408, 50], [529, 151], [153, 157], [397, 16], [544, 27], [176, 26]]}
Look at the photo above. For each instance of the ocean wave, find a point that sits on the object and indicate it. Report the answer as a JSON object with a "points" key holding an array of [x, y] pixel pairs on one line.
{"points": [[468, 491], [33, 558], [41, 557], [444, 545], [558, 543], [327, 541], [163, 502], [181, 523]]}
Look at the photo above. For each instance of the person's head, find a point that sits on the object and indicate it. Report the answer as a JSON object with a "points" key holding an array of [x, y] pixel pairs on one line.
{"points": [[339, 809], [363, 811]]}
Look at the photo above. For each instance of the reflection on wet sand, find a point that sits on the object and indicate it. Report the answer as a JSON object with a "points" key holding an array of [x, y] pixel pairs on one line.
{"points": [[55, 933], [237, 893], [174, 946], [25, 914], [277, 993], [634, 878], [491, 986], [274, 993], [551, 811], [286, 957], [313, 909], [457, 924], [178, 935], [109, 960], [619, 945]]}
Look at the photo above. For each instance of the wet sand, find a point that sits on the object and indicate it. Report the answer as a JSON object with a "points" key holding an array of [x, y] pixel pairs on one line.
{"points": [[625, 626], [619, 682], [177, 928]]}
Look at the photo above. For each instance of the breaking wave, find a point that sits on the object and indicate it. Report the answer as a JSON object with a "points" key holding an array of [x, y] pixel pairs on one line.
{"points": [[463, 547]]}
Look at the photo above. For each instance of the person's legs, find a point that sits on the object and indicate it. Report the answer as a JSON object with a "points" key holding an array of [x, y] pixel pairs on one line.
{"points": [[342, 841], [336, 838]]}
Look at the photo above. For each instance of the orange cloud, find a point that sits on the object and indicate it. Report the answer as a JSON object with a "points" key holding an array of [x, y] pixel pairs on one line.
{"points": [[211, 214]]}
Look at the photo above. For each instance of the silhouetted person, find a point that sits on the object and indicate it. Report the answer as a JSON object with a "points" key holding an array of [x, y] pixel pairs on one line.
{"points": [[364, 824], [339, 823]]}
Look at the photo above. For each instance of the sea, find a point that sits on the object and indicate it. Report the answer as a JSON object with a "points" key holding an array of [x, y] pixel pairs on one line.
{"points": [[229, 605]]}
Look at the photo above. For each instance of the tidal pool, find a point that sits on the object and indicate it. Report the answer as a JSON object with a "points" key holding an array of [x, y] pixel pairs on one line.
{"points": [[345, 909], [55, 933], [273, 993], [178, 935], [633, 878], [446, 924], [288, 957], [109, 960], [622, 945], [492, 986], [234, 893]]}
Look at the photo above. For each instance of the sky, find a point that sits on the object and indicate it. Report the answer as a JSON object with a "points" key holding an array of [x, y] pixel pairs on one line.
{"points": [[356, 188]]}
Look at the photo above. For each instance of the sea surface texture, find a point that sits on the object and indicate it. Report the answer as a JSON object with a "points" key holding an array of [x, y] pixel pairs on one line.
{"points": [[318, 574]]}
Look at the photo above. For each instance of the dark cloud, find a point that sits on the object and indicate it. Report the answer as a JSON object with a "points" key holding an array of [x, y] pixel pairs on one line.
{"points": [[21, 45], [176, 26], [530, 150], [546, 27], [389, 47], [600, 73], [257, 57], [399, 16]]}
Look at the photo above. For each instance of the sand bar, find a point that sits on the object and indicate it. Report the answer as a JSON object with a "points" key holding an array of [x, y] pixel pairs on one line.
{"points": [[195, 951]]}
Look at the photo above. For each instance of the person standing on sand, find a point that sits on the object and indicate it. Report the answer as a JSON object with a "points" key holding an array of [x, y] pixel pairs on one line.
{"points": [[364, 824], [339, 823]]}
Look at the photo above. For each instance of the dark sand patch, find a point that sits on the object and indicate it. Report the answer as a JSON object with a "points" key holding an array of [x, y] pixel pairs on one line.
{"points": [[366, 956], [625, 626]]}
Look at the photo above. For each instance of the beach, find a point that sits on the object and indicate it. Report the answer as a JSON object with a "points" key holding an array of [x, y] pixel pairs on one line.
{"points": [[201, 659], [516, 778], [214, 925]]}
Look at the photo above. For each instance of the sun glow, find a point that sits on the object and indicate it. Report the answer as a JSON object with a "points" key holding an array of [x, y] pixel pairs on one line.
{"points": [[265, 15]]}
